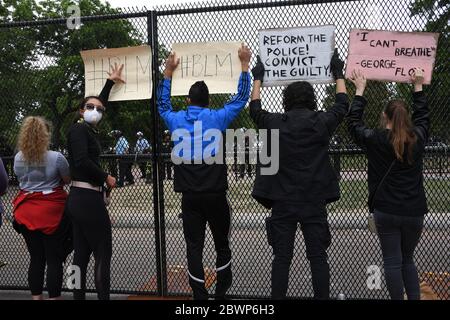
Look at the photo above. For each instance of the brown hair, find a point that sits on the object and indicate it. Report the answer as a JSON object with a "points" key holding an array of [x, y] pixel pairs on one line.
{"points": [[34, 139], [402, 133]]}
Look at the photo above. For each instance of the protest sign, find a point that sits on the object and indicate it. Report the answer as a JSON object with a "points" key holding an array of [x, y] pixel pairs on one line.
{"points": [[216, 63], [295, 54], [391, 56], [137, 72]]}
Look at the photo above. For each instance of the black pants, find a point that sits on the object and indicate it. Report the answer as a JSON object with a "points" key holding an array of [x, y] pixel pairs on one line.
{"points": [[399, 237], [242, 169], [91, 234], [281, 229], [199, 209], [143, 168], [112, 168], [44, 250], [167, 170], [125, 167]]}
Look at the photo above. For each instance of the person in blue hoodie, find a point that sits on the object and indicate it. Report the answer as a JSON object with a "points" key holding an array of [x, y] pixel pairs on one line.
{"points": [[203, 184]]}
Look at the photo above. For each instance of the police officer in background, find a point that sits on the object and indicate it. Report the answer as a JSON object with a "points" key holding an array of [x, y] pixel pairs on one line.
{"points": [[166, 150], [122, 148], [142, 147]]}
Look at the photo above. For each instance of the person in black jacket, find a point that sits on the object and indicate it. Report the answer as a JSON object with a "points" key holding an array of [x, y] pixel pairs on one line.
{"points": [[399, 203], [85, 204], [305, 181]]}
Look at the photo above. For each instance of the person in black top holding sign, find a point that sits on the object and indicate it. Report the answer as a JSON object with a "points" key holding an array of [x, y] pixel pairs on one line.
{"points": [[305, 181], [395, 152], [85, 204]]}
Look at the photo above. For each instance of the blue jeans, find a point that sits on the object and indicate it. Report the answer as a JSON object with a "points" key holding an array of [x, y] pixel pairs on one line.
{"points": [[399, 236]]}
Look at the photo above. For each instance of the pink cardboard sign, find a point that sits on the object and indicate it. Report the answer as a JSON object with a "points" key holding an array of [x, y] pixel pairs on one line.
{"points": [[391, 56]]}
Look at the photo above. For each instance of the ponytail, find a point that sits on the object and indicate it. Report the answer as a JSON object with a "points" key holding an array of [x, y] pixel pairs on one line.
{"points": [[402, 134]]}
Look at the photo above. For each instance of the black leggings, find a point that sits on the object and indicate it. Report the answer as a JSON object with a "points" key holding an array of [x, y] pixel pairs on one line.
{"points": [[92, 234], [44, 249]]}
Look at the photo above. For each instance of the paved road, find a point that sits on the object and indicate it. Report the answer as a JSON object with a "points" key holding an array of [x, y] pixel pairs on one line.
{"points": [[133, 265]]}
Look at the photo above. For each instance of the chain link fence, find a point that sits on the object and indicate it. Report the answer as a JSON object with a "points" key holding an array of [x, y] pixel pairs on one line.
{"points": [[43, 75]]}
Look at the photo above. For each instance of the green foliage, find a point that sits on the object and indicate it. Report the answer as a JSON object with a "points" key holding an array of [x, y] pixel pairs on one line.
{"points": [[437, 15], [377, 95], [43, 73]]}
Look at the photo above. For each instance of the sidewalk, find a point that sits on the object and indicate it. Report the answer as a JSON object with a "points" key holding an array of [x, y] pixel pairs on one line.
{"points": [[25, 295]]}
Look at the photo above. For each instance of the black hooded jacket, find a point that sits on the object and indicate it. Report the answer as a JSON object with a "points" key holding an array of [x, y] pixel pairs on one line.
{"points": [[305, 172]]}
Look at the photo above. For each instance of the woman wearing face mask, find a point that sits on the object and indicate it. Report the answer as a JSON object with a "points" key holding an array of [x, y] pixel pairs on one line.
{"points": [[396, 193], [85, 204]]}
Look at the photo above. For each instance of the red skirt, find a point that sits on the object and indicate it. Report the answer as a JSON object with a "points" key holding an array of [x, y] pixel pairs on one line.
{"points": [[38, 211]]}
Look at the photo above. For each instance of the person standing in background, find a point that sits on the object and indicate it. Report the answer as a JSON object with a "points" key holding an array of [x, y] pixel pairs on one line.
{"points": [[123, 148], [142, 147], [166, 150]]}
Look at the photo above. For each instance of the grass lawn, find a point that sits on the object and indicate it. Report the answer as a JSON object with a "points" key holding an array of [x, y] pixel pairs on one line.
{"points": [[354, 195]]}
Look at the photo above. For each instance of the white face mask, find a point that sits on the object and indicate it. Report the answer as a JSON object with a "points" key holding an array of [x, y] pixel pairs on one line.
{"points": [[92, 116]]}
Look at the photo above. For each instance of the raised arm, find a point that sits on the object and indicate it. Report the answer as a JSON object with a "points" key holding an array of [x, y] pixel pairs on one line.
{"points": [[259, 116], [163, 95], [231, 109], [115, 76], [337, 112], [358, 130], [420, 116]]}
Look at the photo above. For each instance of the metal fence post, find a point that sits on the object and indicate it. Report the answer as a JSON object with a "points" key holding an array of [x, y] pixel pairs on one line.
{"points": [[158, 188]]}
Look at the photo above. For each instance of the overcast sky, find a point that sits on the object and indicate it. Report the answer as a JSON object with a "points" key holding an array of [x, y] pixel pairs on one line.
{"points": [[146, 3]]}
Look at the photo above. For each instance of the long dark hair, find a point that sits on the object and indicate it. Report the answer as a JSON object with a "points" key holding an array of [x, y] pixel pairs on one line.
{"points": [[402, 133]]}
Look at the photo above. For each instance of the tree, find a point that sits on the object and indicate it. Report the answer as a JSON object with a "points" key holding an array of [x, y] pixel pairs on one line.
{"points": [[437, 15], [377, 94], [16, 64], [63, 80], [42, 71]]}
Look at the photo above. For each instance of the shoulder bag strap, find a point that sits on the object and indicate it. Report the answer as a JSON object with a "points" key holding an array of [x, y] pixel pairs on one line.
{"points": [[379, 185]]}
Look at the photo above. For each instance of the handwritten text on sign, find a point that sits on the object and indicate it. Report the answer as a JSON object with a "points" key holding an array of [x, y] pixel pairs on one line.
{"points": [[216, 63], [296, 54], [137, 72], [391, 56]]}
